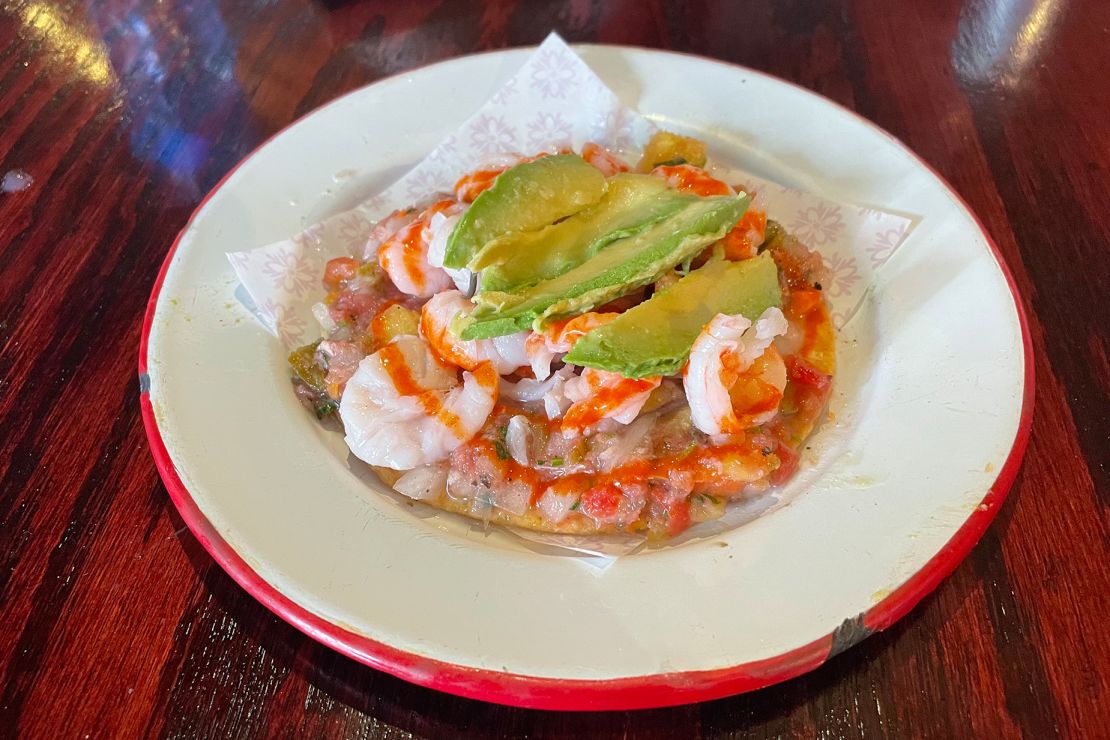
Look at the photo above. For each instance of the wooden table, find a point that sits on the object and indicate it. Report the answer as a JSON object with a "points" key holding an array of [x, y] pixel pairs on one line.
{"points": [[116, 623]]}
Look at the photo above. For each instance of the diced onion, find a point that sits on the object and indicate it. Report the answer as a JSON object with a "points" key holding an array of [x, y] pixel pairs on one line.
{"points": [[514, 498], [516, 438], [554, 507], [425, 482], [323, 318], [628, 439]]}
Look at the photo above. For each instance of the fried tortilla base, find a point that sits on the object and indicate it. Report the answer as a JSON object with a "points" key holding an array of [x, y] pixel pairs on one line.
{"points": [[530, 520]]}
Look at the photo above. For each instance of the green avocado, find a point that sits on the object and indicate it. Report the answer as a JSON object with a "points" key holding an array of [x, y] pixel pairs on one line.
{"points": [[631, 204], [526, 197], [625, 265], [654, 338]]}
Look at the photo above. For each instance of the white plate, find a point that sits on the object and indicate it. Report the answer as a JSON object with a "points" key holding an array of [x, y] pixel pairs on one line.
{"points": [[934, 391]]}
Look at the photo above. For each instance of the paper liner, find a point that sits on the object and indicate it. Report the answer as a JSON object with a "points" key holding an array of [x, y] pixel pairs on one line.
{"points": [[555, 101]]}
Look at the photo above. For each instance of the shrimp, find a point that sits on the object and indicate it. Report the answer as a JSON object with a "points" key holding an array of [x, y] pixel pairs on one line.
{"points": [[384, 229], [735, 378], [404, 255], [691, 179], [603, 159], [403, 408], [599, 394], [550, 391], [473, 184], [559, 338], [506, 353]]}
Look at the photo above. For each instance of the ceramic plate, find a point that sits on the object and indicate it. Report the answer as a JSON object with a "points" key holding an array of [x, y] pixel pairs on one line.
{"points": [[933, 395]]}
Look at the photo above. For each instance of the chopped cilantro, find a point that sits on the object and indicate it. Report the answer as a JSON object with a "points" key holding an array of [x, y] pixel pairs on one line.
{"points": [[578, 454], [556, 462], [325, 408], [670, 162], [499, 445], [575, 506]]}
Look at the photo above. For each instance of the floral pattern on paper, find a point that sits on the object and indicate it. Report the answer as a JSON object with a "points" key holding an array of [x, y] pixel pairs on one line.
{"points": [[445, 149], [886, 241], [843, 275], [619, 124], [857, 240], [548, 130], [817, 225], [492, 135], [353, 230], [375, 207], [290, 272], [289, 327], [424, 184], [553, 75], [311, 237]]}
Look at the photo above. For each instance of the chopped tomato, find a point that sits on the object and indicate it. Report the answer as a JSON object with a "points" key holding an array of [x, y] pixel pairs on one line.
{"points": [[339, 271], [802, 372], [751, 396], [788, 463], [602, 503], [359, 307], [678, 516], [804, 301], [792, 268], [810, 390]]}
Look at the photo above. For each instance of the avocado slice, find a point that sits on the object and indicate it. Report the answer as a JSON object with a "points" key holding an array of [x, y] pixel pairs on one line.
{"points": [[631, 204], [655, 337], [625, 265], [523, 198]]}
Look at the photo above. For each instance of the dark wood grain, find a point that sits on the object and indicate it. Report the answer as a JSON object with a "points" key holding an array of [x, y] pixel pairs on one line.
{"points": [[115, 623]]}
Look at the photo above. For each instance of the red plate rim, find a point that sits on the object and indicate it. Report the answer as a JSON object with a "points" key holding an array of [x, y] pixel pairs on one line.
{"points": [[636, 692]]}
